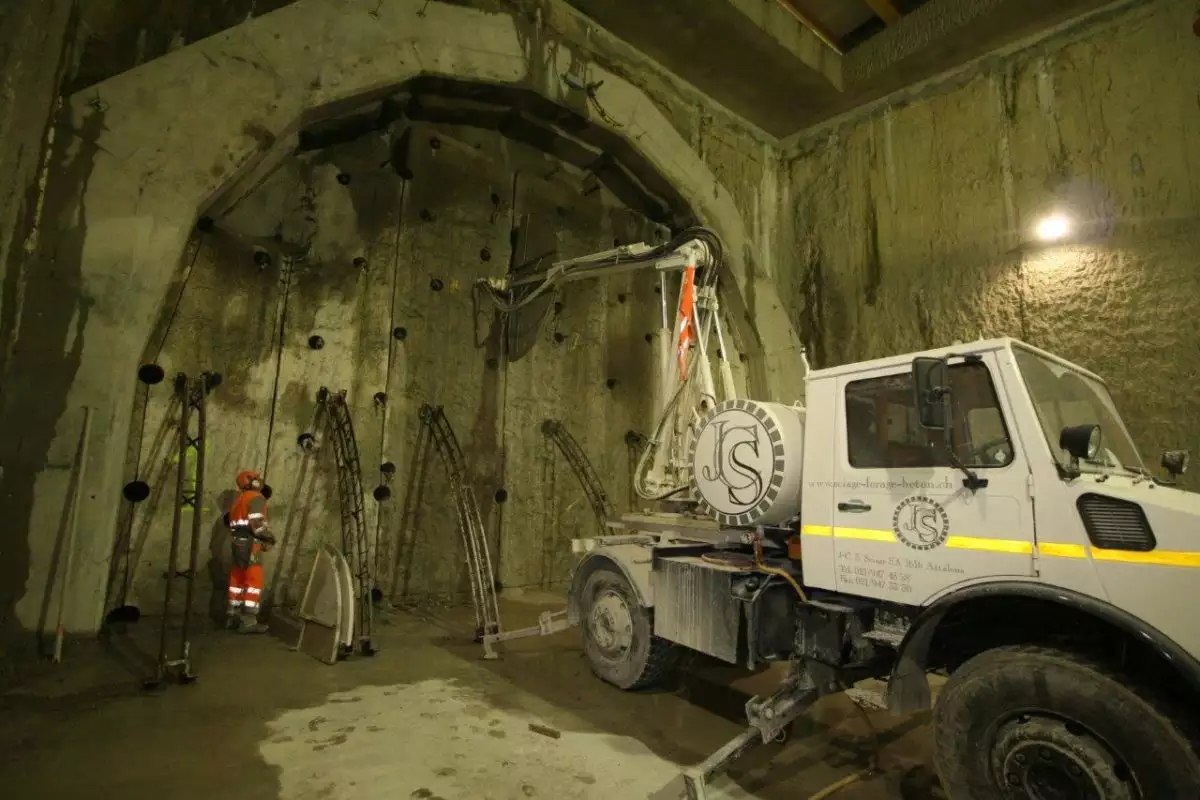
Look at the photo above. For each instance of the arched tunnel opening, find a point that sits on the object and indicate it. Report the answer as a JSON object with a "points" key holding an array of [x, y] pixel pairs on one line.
{"points": [[351, 265]]}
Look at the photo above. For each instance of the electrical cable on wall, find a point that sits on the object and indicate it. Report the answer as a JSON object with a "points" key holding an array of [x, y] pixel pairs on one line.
{"points": [[286, 267], [392, 343]]}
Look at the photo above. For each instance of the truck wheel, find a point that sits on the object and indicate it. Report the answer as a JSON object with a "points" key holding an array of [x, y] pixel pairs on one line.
{"points": [[1033, 723], [618, 634]]}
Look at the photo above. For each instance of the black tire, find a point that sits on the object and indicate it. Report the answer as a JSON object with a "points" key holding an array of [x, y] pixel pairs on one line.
{"points": [[641, 659], [1034, 723]]}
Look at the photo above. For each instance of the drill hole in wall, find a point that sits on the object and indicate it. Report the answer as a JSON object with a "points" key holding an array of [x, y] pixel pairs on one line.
{"points": [[360, 262], [267, 491], [306, 441], [649, 338], [381, 493], [493, 363], [435, 143], [262, 259], [621, 298], [426, 215], [400, 333], [559, 338], [136, 491], [205, 224], [501, 495], [495, 199], [315, 342], [485, 255], [558, 307], [436, 284], [381, 398], [343, 178], [387, 468], [611, 383], [150, 374]]}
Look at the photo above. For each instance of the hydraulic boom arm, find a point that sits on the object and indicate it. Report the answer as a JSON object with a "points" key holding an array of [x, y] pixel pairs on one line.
{"points": [[678, 402]]}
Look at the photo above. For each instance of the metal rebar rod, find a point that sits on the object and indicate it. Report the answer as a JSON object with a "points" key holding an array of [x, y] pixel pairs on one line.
{"points": [[85, 438]]}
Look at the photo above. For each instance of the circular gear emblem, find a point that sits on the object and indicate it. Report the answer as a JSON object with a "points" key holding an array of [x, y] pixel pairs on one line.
{"points": [[737, 463], [921, 523]]}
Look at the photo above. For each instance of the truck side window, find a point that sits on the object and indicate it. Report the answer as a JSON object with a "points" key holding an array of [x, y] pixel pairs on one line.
{"points": [[882, 430]]}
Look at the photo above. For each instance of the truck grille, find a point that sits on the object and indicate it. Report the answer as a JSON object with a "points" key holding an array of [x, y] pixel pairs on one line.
{"points": [[1115, 524]]}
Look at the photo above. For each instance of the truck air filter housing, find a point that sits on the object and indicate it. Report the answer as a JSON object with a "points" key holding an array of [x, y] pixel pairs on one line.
{"points": [[746, 463]]}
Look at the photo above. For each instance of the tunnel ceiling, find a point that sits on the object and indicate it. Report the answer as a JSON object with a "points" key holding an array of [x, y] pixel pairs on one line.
{"points": [[598, 156], [788, 64], [783, 65]]}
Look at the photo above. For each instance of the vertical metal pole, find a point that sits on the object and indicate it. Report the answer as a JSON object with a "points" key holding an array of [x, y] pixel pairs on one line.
{"points": [[185, 407], [72, 531], [201, 389]]}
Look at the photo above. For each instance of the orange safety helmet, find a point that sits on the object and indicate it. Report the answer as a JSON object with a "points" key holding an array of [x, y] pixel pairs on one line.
{"points": [[249, 479]]}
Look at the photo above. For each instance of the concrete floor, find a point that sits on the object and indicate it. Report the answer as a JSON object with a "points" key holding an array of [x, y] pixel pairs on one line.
{"points": [[424, 718]]}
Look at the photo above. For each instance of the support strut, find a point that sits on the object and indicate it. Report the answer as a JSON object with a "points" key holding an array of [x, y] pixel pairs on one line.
{"points": [[470, 525], [189, 493], [588, 478], [355, 541]]}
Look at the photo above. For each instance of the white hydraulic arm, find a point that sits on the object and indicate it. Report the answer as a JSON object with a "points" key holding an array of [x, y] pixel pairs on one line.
{"points": [[683, 387]]}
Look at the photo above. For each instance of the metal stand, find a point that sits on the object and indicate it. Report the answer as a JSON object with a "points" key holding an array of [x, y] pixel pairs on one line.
{"points": [[769, 718], [589, 479], [189, 490], [355, 541]]}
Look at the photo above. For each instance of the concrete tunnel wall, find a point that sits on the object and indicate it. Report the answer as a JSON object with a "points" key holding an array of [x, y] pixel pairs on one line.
{"points": [[360, 256], [149, 149], [910, 223]]}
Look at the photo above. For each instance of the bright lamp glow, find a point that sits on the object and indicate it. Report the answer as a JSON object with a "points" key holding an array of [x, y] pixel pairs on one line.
{"points": [[1053, 228]]}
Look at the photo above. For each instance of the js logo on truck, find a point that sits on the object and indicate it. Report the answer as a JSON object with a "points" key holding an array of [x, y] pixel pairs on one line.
{"points": [[735, 462], [921, 523]]}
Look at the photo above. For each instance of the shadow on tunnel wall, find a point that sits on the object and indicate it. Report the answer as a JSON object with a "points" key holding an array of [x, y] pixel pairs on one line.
{"points": [[43, 309]]}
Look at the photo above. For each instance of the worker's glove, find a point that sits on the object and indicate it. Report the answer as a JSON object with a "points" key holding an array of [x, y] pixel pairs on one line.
{"points": [[268, 541]]}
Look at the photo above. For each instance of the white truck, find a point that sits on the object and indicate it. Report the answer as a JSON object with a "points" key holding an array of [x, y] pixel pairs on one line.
{"points": [[978, 511]]}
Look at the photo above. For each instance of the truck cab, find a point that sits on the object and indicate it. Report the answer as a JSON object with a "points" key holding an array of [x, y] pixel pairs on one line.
{"points": [[978, 511]]}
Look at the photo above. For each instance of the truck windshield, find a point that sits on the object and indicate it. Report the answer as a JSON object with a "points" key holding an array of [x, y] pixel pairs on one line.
{"points": [[1064, 397]]}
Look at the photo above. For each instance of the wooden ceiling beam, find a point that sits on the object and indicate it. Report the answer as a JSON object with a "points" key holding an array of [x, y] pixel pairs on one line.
{"points": [[885, 10], [813, 24]]}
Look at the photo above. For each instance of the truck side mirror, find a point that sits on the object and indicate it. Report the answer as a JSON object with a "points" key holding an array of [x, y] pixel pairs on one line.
{"points": [[930, 389], [1175, 462]]}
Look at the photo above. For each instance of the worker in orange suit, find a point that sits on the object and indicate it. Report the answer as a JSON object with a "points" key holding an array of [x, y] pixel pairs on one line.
{"points": [[250, 538]]}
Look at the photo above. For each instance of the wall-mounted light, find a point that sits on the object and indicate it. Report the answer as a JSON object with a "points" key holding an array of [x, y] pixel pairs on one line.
{"points": [[1053, 228]]}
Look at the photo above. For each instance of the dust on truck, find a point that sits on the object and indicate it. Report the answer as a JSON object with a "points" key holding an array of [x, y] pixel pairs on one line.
{"points": [[979, 512]]}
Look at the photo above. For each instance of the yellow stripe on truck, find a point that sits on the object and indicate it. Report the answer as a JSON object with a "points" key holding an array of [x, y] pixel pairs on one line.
{"points": [[1055, 550], [990, 545], [1162, 558]]}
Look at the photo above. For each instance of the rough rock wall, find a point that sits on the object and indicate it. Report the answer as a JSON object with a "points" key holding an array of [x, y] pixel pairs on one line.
{"points": [[33, 40], [913, 224], [381, 268], [32, 36]]}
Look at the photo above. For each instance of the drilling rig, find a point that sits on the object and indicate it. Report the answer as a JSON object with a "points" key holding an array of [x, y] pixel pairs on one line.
{"points": [[978, 512]]}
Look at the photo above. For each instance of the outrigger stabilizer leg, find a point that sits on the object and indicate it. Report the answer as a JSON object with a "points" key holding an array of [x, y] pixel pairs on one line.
{"points": [[768, 717]]}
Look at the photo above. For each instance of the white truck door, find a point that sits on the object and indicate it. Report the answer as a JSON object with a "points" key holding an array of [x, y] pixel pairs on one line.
{"points": [[905, 528]]}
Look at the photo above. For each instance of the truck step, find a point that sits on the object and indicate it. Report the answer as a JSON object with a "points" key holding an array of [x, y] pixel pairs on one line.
{"points": [[891, 637], [869, 699]]}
